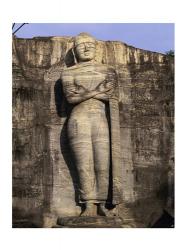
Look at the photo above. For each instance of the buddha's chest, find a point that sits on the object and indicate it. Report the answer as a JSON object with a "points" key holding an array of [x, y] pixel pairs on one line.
{"points": [[89, 80]]}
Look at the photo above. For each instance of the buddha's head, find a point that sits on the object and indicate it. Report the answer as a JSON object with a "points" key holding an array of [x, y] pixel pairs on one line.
{"points": [[84, 47]]}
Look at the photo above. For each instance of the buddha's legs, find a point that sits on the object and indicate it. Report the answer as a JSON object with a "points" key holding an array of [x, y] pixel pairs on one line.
{"points": [[101, 149], [79, 133], [89, 141]]}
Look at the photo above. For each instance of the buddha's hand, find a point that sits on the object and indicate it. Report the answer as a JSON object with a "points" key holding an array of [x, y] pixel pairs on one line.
{"points": [[81, 90], [105, 86]]}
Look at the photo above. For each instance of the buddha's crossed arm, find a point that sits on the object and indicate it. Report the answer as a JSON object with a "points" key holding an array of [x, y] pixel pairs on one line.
{"points": [[105, 90], [75, 95]]}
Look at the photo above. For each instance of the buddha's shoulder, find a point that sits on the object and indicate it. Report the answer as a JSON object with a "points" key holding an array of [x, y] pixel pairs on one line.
{"points": [[68, 73], [73, 70], [69, 70], [105, 66]]}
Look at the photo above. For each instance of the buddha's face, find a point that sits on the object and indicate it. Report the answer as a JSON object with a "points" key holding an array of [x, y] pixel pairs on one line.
{"points": [[85, 51]]}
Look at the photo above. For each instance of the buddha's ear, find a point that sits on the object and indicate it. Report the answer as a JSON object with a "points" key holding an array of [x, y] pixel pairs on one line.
{"points": [[70, 58], [74, 56]]}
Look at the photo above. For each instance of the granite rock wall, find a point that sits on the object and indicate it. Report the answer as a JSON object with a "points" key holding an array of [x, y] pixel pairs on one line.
{"points": [[44, 177]]}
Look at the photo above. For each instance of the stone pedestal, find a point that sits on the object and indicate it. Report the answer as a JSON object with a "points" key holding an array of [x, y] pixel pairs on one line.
{"points": [[89, 222]]}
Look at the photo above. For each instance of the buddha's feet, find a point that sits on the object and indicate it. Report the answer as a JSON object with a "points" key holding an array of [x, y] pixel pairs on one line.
{"points": [[102, 210], [89, 210]]}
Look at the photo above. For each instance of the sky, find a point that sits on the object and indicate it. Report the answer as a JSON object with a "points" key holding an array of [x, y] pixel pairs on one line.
{"points": [[158, 37]]}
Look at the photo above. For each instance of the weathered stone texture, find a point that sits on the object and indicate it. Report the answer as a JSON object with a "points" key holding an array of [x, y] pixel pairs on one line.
{"points": [[42, 182]]}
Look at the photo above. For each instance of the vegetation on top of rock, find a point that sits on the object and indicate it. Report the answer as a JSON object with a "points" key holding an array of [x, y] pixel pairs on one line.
{"points": [[170, 53]]}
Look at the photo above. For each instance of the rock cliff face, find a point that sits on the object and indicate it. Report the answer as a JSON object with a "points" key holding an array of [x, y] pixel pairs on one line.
{"points": [[43, 184]]}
